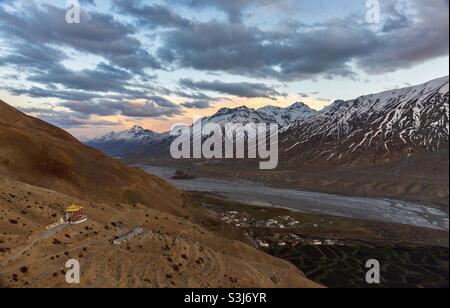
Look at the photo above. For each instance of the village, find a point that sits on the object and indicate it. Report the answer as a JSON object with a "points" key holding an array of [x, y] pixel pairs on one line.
{"points": [[286, 224]]}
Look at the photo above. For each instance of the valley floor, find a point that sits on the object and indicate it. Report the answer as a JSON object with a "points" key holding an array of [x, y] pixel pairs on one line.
{"points": [[423, 179], [254, 193]]}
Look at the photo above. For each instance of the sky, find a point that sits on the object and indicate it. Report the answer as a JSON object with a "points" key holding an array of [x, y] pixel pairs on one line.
{"points": [[155, 63]]}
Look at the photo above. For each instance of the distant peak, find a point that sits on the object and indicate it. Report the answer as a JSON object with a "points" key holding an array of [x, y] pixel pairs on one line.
{"points": [[299, 104], [338, 102], [301, 108], [270, 107], [139, 130], [226, 110], [136, 133], [136, 128], [243, 108]]}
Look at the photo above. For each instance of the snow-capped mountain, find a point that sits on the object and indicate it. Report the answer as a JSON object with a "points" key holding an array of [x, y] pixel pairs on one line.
{"points": [[290, 115], [143, 142], [121, 143], [135, 134], [381, 127], [241, 115], [399, 122], [268, 114], [83, 138]]}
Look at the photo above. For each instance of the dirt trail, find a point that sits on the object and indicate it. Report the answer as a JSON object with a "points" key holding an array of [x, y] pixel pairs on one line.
{"points": [[25, 250]]}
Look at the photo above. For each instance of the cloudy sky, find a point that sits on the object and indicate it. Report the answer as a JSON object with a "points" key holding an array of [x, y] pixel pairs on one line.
{"points": [[158, 62]]}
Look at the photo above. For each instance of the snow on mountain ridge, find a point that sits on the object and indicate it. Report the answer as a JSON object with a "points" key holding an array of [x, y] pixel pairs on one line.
{"points": [[136, 133], [412, 118], [267, 114], [242, 115], [397, 122], [292, 114]]}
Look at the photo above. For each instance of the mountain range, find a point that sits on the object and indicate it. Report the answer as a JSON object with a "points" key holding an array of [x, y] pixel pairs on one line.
{"points": [[139, 140], [119, 144], [269, 114], [391, 125]]}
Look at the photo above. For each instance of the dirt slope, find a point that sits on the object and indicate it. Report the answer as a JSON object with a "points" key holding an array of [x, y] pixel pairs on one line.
{"points": [[37, 153]]}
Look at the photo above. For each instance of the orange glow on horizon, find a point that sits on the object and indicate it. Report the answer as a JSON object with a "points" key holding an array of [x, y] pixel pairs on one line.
{"points": [[164, 124]]}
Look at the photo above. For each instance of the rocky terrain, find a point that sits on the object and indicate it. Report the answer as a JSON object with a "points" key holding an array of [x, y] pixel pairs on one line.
{"points": [[43, 170]]}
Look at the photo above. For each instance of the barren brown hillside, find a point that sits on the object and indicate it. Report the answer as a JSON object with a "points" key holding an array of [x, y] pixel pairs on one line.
{"points": [[43, 169], [37, 153]]}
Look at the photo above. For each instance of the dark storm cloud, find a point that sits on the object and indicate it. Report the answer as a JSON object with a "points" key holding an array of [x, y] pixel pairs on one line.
{"points": [[196, 96], [71, 120], [97, 33], [152, 108], [82, 96], [396, 19], [238, 49], [149, 110], [214, 46], [199, 100], [156, 15], [39, 110], [325, 50], [36, 92], [409, 35], [66, 119], [197, 105], [32, 56], [410, 39], [240, 89], [233, 8], [92, 2], [103, 78], [162, 102], [152, 16], [81, 113], [94, 107]]}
